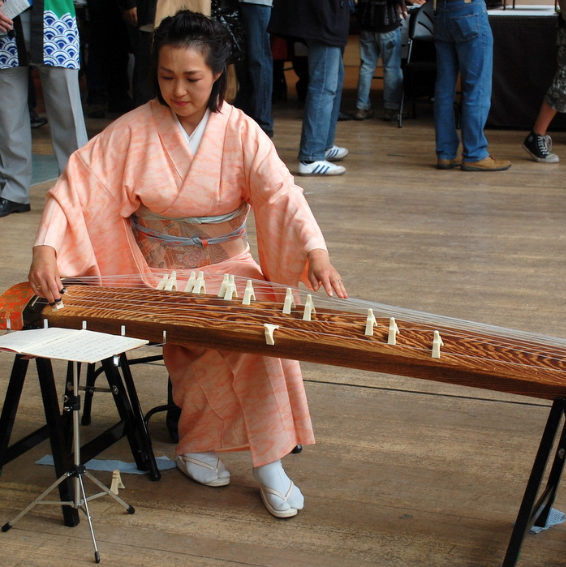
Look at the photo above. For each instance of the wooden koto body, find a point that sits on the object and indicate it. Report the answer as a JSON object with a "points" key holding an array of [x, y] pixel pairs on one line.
{"points": [[332, 337]]}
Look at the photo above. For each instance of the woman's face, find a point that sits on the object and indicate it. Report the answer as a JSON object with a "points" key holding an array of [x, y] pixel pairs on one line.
{"points": [[186, 82]]}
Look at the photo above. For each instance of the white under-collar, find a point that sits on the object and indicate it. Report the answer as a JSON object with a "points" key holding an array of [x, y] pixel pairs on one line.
{"points": [[193, 141]]}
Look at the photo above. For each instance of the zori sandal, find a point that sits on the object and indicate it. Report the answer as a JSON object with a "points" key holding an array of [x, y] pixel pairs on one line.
{"points": [[211, 473], [285, 511]]}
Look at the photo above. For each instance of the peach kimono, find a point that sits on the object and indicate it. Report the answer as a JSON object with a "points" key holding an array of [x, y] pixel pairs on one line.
{"points": [[229, 401]]}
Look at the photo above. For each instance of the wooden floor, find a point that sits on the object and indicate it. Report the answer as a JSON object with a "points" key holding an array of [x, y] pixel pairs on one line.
{"points": [[404, 473]]}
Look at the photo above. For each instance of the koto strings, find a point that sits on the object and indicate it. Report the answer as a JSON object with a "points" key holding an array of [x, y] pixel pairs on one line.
{"points": [[137, 294]]}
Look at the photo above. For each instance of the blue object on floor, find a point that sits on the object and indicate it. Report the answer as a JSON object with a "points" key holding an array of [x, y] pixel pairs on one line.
{"points": [[555, 517], [163, 464], [43, 168]]}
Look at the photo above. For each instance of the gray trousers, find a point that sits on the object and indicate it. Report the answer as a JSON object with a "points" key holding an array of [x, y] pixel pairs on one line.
{"points": [[64, 110]]}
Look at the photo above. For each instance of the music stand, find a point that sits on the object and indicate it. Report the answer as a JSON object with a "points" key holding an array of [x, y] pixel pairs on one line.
{"points": [[90, 347]]}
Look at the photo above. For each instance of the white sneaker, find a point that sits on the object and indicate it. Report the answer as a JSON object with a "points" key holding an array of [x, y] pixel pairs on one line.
{"points": [[320, 168], [336, 153]]}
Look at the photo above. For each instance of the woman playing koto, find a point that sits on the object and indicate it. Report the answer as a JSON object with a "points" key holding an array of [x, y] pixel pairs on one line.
{"points": [[141, 197]]}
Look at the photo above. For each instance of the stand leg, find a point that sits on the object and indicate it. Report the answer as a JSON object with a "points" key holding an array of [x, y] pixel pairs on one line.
{"points": [[89, 393], [89, 519], [547, 498], [11, 403], [129, 509], [38, 500], [59, 446], [141, 426], [527, 509], [136, 432]]}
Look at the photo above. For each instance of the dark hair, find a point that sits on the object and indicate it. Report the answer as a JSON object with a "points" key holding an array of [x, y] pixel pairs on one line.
{"points": [[198, 32]]}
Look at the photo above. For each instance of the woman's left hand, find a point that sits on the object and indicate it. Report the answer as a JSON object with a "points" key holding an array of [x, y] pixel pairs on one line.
{"points": [[322, 272], [6, 24]]}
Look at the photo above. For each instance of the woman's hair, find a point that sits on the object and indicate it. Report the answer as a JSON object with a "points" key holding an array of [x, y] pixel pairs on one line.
{"points": [[192, 30]]}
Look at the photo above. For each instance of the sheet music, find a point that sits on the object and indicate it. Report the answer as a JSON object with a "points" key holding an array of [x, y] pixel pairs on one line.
{"points": [[13, 8], [68, 344]]}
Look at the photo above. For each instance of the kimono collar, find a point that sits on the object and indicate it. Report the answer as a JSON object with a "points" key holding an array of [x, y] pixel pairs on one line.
{"points": [[176, 147]]}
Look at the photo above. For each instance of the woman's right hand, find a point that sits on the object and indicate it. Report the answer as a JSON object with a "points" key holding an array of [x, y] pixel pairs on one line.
{"points": [[44, 275]]}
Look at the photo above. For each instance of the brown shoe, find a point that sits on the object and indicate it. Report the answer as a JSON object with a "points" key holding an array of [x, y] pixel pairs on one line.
{"points": [[487, 164], [449, 163], [362, 114]]}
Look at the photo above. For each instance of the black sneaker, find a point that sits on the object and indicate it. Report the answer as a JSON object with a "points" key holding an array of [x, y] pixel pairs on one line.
{"points": [[538, 147]]}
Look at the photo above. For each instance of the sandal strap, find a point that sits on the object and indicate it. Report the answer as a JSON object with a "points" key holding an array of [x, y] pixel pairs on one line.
{"points": [[202, 464], [278, 494]]}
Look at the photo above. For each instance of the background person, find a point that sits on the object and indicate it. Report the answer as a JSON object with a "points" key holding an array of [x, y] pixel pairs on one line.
{"points": [[323, 25], [464, 46], [27, 44], [380, 37], [538, 144]]}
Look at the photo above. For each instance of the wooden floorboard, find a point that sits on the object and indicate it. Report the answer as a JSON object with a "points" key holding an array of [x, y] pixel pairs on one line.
{"points": [[405, 472]]}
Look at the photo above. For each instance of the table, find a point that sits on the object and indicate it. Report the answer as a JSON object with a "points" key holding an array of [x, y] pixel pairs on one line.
{"points": [[524, 62]]}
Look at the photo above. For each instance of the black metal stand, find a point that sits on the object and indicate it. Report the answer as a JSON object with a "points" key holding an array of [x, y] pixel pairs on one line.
{"points": [[76, 472], [535, 512], [57, 428], [53, 430]]}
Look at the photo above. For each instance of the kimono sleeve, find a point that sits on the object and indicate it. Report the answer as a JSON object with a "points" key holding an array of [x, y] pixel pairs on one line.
{"points": [[285, 225], [82, 221]]}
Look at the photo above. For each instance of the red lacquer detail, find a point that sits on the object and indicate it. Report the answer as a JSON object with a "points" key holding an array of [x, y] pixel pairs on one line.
{"points": [[12, 304]]}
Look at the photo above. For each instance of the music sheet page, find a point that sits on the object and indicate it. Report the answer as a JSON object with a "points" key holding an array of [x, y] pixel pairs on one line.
{"points": [[68, 344]]}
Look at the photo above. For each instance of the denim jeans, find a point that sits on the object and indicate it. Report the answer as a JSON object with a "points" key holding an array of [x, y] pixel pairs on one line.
{"points": [[374, 45], [464, 43], [322, 106], [255, 73]]}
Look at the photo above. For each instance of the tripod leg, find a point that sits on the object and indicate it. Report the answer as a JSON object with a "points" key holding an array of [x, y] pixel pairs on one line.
{"points": [[88, 517], [38, 500], [129, 508]]}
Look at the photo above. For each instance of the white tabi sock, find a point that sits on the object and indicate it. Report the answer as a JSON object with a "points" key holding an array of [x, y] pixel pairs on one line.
{"points": [[206, 468], [273, 476]]}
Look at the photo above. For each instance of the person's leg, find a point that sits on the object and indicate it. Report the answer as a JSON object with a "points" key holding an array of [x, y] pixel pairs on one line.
{"points": [[544, 118], [336, 107], [320, 115], [234, 401], [142, 88], [474, 45], [96, 72], [447, 140], [369, 54], [108, 57], [116, 58], [555, 98], [15, 135], [259, 65], [392, 73], [64, 109], [537, 143], [32, 95], [245, 96]]}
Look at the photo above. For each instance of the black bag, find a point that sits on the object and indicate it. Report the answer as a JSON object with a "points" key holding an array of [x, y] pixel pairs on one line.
{"points": [[229, 17]]}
